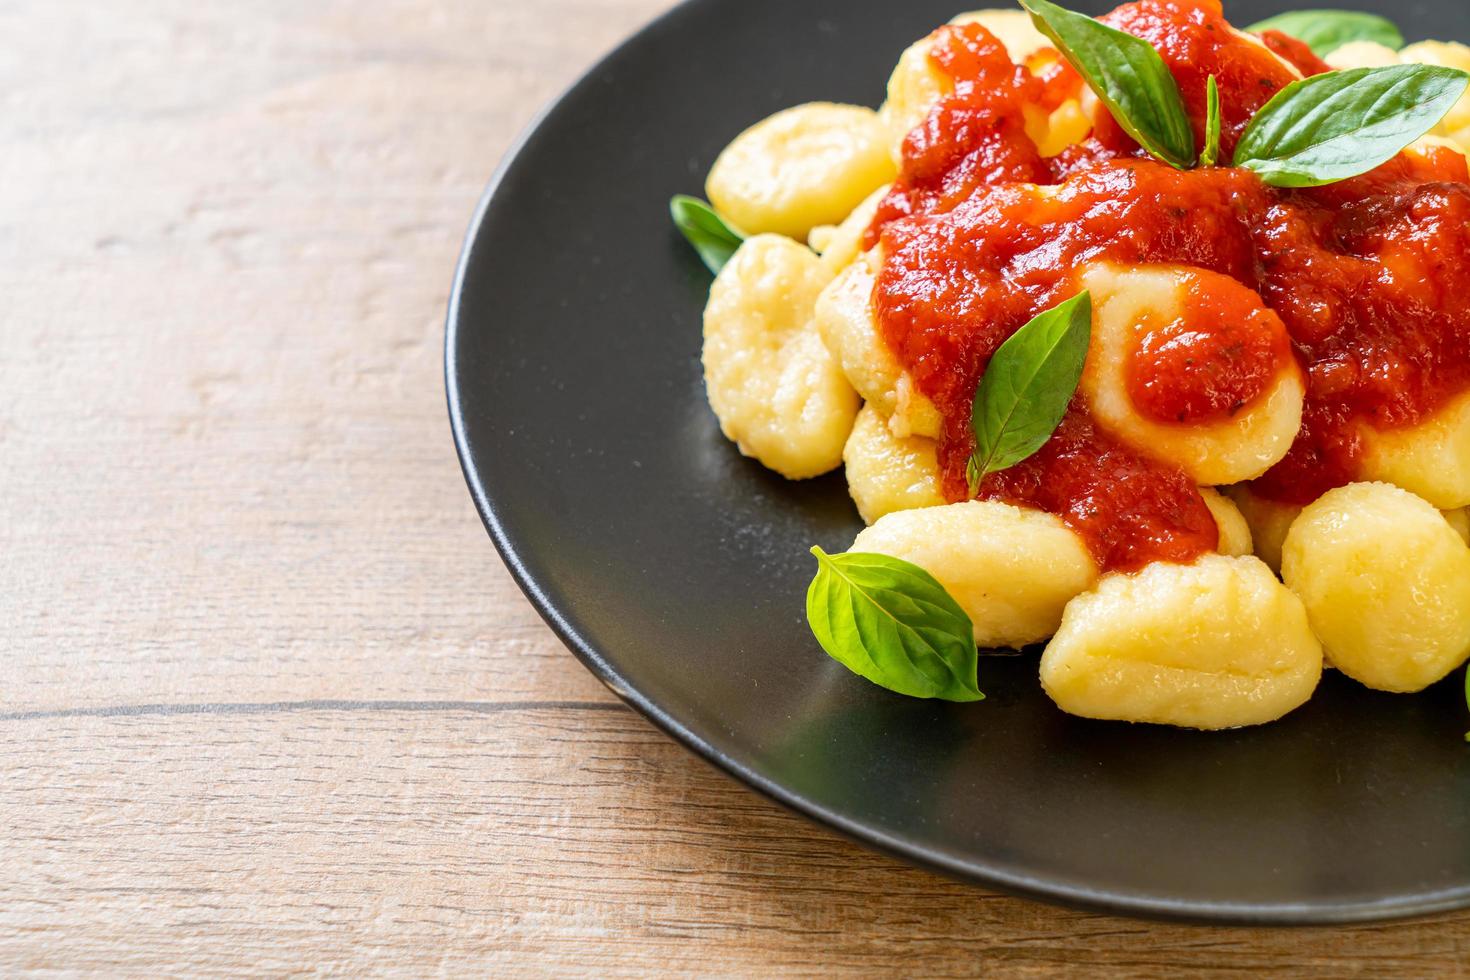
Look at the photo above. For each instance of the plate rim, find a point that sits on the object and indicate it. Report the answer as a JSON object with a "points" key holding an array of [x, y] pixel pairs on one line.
{"points": [[967, 871]]}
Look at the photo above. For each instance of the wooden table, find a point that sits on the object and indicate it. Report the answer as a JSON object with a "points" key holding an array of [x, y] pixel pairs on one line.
{"points": [[270, 701]]}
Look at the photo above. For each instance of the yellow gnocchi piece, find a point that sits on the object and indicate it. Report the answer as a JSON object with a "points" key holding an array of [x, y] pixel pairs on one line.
{"points": [[1431, 459], [1460, 521], [842, 247], [803, 167], [1212, 645], [777, 391], [1069, 124], [916, 84], [913, 88], [1362, 54], [848, 326], [1386, 583], [1268, 521], [1240, 448], [820, 237], [886, 474], [1011, 569], [1235, 533]]}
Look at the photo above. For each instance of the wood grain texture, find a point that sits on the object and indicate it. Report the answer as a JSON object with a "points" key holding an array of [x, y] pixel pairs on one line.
{"points": [[268, 701]]}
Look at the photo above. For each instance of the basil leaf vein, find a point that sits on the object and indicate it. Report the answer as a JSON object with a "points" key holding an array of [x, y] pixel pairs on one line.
{"points": [[711, 235], [891, 622], [1027, 387], [1334, 126], [1210, 155], [1129, 77], [1324, 31]]}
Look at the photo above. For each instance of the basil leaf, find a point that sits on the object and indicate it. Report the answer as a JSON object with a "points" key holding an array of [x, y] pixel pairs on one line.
{"points": [[891, 622], [1338, 125], [1027, 386], [1324, 31], [1211, 153], [711, 236], [1128, 76]]}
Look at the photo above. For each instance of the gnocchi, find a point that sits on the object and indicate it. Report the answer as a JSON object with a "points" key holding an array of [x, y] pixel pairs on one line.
{"points": [[803, 167], [845, 319], [1235, 533], [841, 247], [1431, 459], [1386, 583], [886, 473], [1130, 302], [1268, 521], [917, 84], [1011, 569], [1216, 644], [1460, 521], [778, 393], [1362, 54]]}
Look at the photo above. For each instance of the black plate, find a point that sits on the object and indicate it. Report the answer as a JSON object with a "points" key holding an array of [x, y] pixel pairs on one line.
{"points": [[676, 570]]}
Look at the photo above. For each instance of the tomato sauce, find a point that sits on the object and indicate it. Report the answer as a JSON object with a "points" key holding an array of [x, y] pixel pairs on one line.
{"points": [[1370, 276], [1303, 58], [1182, 373]]}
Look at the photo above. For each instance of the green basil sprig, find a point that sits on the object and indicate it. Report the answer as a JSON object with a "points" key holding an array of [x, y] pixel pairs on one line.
{"points": [[1027, 386], [1334, 126], [1129, 77], [1210, 155], [1324, 31], [893, 623], [712, 237]]}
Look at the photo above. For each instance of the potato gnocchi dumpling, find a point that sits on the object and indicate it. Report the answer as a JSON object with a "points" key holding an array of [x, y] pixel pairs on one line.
{"points": [[1386, 583], [1235, 533], [845, 319], [917, 84], [778, 393], [887, 474], [1127, 303], [1362, 54], [1431, 459], [803, 167], [1268, 521], [1216, 644], [913, 88], [842, 246], [1460, 521], [1011, 569]]}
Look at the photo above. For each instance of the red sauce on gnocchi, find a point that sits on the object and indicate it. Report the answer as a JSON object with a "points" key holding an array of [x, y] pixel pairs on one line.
{"points": [[1370, 276], [1220, 353]]}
